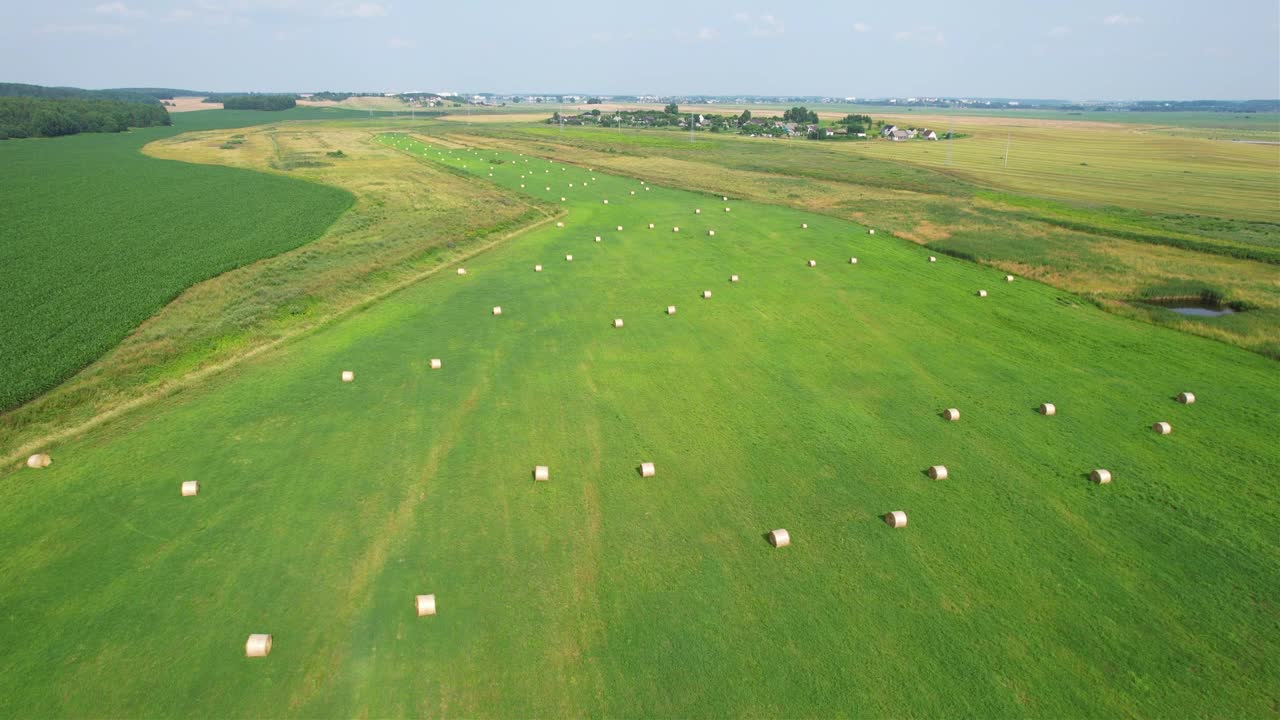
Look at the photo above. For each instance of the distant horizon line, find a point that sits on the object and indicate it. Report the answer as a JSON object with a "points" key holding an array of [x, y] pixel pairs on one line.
{"points": [[718, 96]]}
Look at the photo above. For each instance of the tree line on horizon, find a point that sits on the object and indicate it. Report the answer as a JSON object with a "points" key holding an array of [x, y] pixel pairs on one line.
{"points": [[254, 102], [31, 116]]}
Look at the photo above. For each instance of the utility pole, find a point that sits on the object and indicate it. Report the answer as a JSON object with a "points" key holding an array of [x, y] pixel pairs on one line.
{"points": [[1007, 138], [690, 127]]}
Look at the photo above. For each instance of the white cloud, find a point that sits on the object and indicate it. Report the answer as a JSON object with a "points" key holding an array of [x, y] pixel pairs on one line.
{"points": [[86, 29], [923, 35], [760, 25], [708, 33], [1121, 19], [399, 43], [1059, 31], [357, 10], [861, 27], [118, 9]]}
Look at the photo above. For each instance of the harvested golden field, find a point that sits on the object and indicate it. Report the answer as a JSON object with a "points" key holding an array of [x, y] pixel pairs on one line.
{"points": [[1099, 163]]}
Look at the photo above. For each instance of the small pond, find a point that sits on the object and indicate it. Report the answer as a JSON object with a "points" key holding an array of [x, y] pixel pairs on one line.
{"points": [[1198, 308]]}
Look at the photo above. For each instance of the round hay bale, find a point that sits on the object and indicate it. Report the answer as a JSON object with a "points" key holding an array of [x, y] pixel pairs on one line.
{"points": [[190, 488], [633, 192], [462, 271], [697, 211], [650, 226], [671, 309], [1008, 278], [725, 198], [813, 263], [951, 414], [548, 188], [982, 293], [779, 538], [562, 198], [436, 364], [726, 209], [606, 202], [733, 278], [619, 228], [896, 519], [257, 646], [1048, 409], [617, 322], [1186, 398], [537, 268], [568, 258], [938, 472], [497, 309], [647, 470], [348, 376], [559, 224], [872, 231], [675, 229], [425, 605], [39, 461], [597, 238], [1162, 428], [933, 259], [706, 294], [711, 233], [521, 186], [1100, 476], [541, 473], [646, 188], [853, 261]]}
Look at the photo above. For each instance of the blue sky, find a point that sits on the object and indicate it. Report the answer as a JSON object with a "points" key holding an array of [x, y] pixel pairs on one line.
{"points": [[1090, 49]]}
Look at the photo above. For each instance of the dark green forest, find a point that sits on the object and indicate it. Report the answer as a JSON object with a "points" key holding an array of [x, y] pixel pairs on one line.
{"points": [[145, 96], [32, 116]]}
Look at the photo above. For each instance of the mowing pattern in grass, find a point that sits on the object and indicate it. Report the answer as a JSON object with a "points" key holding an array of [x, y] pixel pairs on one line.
{"points": [[1106, 253], [95, 237], [799, 398]]}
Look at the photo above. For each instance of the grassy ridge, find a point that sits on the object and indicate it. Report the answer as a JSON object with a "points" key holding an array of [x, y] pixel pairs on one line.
{"points": [[95, 237], [804, 398]]}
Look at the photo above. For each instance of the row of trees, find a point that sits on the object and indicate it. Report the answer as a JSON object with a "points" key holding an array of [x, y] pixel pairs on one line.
{"points": [[255, 102], [31, 116], [800, 116], [857, 123], [40, 91]]}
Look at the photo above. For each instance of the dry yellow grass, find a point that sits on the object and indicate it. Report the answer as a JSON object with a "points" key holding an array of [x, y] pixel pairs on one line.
{"points": [[372, 102], [189, 104]]}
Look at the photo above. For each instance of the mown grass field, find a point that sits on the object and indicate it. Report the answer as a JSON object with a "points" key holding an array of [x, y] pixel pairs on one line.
{"points": [[1114, 255], [95, 238], [803, 398], [1099, 164]]}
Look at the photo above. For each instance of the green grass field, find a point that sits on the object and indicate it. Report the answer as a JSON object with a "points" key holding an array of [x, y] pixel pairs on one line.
{"points": [[1114, 253], [802, 398], [95, 238]]}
